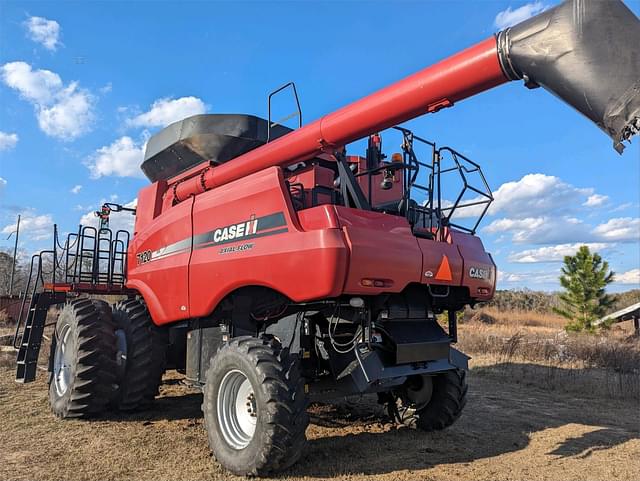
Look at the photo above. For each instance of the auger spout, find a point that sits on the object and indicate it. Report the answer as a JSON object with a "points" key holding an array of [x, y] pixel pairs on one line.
{"points": [[586, 52]]}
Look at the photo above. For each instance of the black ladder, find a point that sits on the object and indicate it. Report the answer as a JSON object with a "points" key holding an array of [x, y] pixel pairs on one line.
{"points": [[31, 338]]}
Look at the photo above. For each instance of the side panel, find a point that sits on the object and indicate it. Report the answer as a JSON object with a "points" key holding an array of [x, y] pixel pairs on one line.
{"points": [[382, 248], [479, 272], [159, 262], [441, 263], [246, 233], [149, 204]]}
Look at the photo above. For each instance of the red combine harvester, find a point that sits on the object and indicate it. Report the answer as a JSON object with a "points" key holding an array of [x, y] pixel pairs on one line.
{"points": [[270, 266]]}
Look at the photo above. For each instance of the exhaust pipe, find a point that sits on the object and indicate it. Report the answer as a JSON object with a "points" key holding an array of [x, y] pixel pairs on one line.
{"points": [[586, 52]]}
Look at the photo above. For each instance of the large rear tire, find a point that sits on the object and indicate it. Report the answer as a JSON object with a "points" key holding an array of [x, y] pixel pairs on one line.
{"points": [[448, 399], [83, 379], [141, 355], [255, 407]]}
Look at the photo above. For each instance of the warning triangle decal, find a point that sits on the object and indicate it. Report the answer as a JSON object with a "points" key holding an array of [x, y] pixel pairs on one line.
{"points": [[444, 271]]}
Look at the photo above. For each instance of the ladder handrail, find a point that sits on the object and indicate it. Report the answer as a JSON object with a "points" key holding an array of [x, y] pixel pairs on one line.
{"points": [[21, 316]]}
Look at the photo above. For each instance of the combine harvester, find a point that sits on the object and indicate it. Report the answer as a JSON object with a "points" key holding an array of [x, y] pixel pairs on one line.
{"points": [[270, 267]]}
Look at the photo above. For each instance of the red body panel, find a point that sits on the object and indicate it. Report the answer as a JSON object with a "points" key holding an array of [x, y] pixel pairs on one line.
{"points": [[433, 256], [164, 283], [483, 282], [194, 244], [150, 197], [247, 233], [382, 248], [378, 196], [301, 265], [313, 176]]}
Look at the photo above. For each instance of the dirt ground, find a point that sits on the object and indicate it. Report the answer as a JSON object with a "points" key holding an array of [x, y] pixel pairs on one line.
{"points": [[507, 432]]}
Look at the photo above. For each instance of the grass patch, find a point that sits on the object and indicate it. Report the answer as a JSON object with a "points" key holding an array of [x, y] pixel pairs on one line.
{"points": [[606, 364]]}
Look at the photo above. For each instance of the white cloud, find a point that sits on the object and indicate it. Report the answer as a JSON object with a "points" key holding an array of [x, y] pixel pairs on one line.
{"points": [[63, 111], [541, 230], [565, 229], [621, 229], [508, 17], [70, 117], [540, 209], [34, 227], [76, 189], [624, 206], [528, 278], [536, 194], [122, 159], [43, 31], [629, 277], [36, 86], [506, 225], [80, 207], [3, 183], [166, 111], [8, 141], [554, 253], [117, 220], [596, 200]]}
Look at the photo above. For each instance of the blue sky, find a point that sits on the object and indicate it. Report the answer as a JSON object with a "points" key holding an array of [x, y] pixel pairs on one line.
{"points": [[83, 85]]}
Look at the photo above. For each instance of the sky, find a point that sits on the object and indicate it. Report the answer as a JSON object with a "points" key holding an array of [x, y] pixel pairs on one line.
{"points": [[83, 85]]}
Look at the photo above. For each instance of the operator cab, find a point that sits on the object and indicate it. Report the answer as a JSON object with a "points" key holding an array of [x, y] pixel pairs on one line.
{"points": [[433, 187]]}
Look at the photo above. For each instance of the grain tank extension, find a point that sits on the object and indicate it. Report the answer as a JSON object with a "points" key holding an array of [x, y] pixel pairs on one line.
{"points": [[273, 266]]}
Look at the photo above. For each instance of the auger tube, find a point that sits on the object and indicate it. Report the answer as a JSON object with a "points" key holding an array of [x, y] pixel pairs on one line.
{"points": [[583, 51]]}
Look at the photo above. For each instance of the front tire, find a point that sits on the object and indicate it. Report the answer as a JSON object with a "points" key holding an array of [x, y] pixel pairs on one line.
{"points": [[83, 380], [255, 407], [448, 399]]}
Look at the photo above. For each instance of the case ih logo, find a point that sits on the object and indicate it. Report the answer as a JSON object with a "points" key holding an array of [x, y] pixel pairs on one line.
{"points": [[248, 229], [479, 273], [236, 231]]}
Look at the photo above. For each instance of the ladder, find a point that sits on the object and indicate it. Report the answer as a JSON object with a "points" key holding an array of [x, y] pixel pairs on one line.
{"points": [[28, 341], [28, 344]]}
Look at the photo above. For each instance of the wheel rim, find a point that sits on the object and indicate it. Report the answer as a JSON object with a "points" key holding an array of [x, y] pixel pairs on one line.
{"points": [[62, 362], [420, 392], [237, 411]]}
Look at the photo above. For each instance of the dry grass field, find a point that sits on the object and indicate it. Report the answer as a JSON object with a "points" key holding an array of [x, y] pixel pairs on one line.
{"points": [[542, 406]]}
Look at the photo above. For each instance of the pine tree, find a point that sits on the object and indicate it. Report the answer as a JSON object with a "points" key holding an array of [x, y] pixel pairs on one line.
{"points": [[584, 278]]}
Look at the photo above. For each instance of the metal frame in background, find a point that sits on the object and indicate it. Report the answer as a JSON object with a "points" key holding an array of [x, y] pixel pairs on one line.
{"points": [[90, 246], [462, 169], [463, 166], [290, 116]]}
